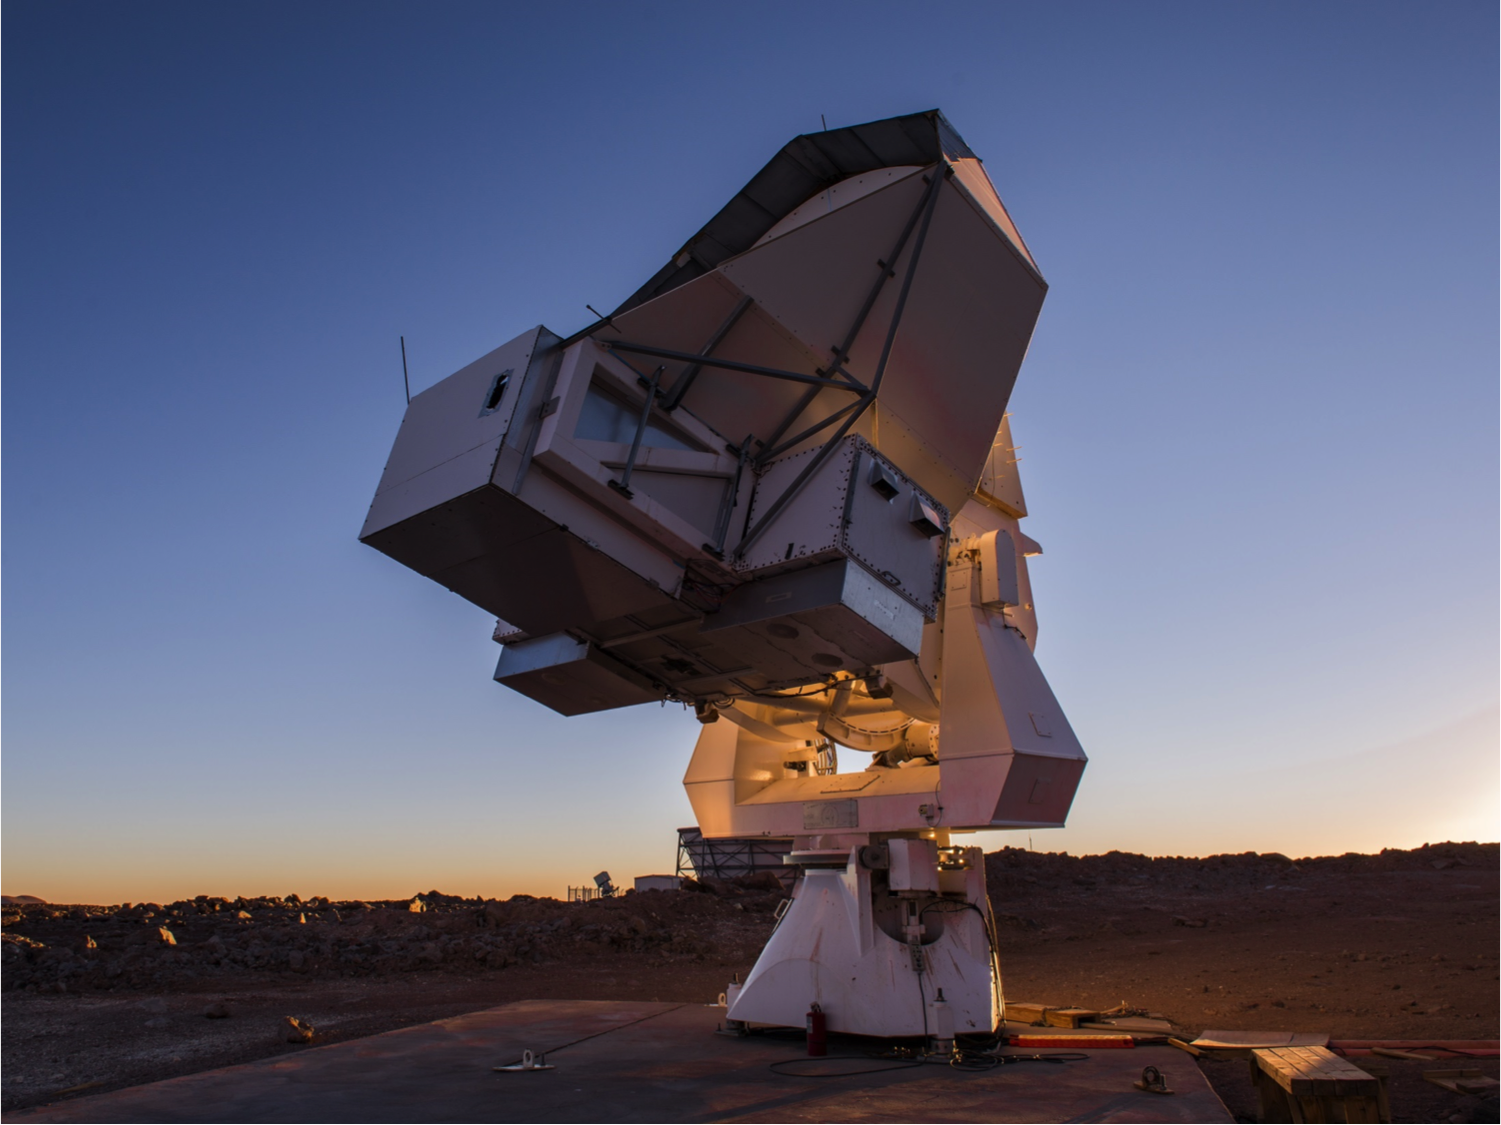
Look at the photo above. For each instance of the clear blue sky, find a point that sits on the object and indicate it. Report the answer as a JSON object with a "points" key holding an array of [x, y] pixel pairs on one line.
{"points": [[1258, 418]]}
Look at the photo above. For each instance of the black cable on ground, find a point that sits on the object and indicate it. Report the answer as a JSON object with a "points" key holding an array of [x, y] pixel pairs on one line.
{"points": [[1060, 1057], [905, 1058], [540, 1055], [891, 1064]]}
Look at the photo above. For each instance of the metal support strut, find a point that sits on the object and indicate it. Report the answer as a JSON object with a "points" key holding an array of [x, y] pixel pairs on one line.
{"points": [[623, 485], [816, 462], [690, 373]]}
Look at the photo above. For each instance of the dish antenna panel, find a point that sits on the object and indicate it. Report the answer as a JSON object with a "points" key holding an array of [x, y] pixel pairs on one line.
{"points": [[777, 483]]}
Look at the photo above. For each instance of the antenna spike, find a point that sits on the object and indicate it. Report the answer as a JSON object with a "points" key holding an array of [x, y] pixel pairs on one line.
{"points": [[406, 383]]}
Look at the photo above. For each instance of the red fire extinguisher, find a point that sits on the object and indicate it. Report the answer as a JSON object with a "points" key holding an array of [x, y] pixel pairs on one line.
{"points": [[818, 1031]]}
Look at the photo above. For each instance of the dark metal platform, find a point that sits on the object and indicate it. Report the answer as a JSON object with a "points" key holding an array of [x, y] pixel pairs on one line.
{"points": [[618, 1061]]}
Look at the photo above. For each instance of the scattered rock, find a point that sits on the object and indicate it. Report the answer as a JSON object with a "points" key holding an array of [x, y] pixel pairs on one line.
{"points": [[164, 936], [417, 906], [218, 1010], [242, 915], [295, 1031], [1191, 923]]}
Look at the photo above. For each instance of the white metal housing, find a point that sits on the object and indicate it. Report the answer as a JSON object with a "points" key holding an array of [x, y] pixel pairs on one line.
{"points": [[778, 484]]}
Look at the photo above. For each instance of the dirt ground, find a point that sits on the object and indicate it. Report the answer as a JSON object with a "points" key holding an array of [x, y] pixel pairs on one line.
{"points": [[1401, 945]]}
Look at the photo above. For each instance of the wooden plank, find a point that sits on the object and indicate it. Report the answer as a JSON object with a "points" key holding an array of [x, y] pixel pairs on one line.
{"points": [[1393, 1053], [1450, 1079], [1068, 1017], [1362, 1109], [1271, 1063], [1273, 1104], [1026, 1013], [1296, 1066], [1314, 1072], [1259, 1040], [1136, 1024]]}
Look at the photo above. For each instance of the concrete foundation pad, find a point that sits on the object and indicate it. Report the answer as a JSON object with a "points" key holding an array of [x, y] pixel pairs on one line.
{"points": [[622, 1061]]}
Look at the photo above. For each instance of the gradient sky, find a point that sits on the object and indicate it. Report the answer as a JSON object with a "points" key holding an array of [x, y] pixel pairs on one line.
{"points": [[1258, 418]]}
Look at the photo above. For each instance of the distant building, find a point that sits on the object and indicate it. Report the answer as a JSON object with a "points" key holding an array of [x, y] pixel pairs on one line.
{"points": [[656, 882]]}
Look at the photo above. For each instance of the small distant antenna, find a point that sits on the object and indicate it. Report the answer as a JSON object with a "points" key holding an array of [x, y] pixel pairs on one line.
{"points": [[824, 123], [405, 382]]}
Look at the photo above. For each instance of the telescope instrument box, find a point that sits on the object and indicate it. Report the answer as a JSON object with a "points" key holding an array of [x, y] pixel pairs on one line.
{"points": [[857, 505], [498, 487]]}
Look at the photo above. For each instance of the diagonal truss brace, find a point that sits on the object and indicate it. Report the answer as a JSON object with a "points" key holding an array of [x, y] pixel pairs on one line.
{"points": [[925, 211], [817, 381], [920, 220]]}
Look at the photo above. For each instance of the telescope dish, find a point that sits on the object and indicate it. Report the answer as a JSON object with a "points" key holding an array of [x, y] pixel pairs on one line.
{"points": [[793, 290]]}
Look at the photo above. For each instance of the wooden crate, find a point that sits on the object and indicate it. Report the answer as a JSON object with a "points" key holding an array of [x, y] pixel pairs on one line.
{"points": [[1314, 1084]]}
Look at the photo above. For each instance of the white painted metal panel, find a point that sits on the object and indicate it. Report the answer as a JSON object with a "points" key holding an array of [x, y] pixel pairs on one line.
{"points": [[450, 436], [840, 512], [965, 329]]}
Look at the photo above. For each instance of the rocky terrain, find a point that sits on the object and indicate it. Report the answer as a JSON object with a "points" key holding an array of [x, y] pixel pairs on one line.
{"points": [[1400, 945], [79, 949]]}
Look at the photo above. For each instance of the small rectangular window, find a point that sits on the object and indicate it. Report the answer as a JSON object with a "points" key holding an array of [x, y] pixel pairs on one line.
{"points": [[497, 392], [605, 416]]}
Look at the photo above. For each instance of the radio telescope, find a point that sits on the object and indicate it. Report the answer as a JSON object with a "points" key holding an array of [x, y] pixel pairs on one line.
{"points": [[778, 484]]}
